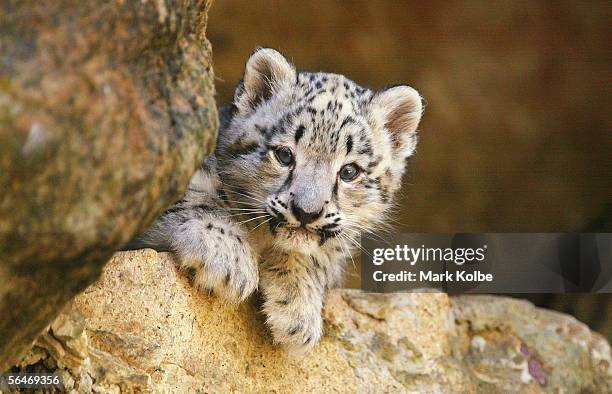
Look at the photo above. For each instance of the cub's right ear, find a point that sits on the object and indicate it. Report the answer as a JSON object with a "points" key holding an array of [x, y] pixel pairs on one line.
{"points": [[266, 72]]}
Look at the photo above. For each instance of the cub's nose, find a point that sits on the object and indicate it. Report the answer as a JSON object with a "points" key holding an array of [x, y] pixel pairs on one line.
{"points": [[303, 216]]}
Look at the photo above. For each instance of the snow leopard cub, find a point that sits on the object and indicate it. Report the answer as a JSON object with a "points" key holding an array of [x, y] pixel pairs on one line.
{"points": [[304, 162]]}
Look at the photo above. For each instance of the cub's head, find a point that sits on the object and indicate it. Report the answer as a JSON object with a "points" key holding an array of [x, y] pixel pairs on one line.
{"points": [[315, 156]]}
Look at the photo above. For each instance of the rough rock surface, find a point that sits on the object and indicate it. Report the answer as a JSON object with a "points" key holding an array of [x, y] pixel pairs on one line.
{"points": [[143, 327], [106, 109]]}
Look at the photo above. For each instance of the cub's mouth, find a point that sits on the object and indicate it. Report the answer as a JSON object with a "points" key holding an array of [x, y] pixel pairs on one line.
{"points": [[298, 231], [282, 229]]}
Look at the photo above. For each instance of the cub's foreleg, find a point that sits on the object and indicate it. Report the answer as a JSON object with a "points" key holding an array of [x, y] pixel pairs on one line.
{"points": [[203, 236], [294, 288]]}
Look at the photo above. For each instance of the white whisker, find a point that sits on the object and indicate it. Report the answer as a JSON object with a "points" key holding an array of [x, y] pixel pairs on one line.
{"points": [[241, 214], [264, 222], [246, 221], [343, 250], [357, 244]]}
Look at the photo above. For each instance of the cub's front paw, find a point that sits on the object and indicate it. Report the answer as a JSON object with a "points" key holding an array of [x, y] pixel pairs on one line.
{"points": [[298, 330], [223, 261]]}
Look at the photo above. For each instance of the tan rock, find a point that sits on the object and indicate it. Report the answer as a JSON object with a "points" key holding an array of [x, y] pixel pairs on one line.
{"points": [[143, 327]]}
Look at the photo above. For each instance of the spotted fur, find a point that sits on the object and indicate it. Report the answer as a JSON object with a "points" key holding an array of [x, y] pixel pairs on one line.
{"points": [[249, 220]]}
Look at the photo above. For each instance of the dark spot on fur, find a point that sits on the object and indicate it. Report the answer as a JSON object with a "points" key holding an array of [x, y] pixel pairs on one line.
{"points": [[346, 121], [295, 329], [242, 148], [279, 271], [299, 133], [173, 210], [203, 207], [349, 144], [222, 195], [276, 212], [324, 236], [287, 183]]}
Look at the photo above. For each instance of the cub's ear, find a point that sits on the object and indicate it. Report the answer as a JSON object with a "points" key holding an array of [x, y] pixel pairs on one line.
{"points": [[266, 72], [398, 109]]}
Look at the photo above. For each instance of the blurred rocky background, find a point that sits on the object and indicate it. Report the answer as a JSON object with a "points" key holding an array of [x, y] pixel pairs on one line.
{"points": [[516, 133]]}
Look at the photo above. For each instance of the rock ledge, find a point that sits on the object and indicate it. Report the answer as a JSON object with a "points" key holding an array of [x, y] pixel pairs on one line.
{"points": [[142, 327]]}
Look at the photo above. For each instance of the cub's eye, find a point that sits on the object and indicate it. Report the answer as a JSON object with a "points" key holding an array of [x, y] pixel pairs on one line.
{"points": [[284, 155], [349, 172]]}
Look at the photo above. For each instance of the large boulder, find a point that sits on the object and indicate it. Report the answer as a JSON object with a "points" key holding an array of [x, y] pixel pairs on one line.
{"points": [[106, 109], [143, 327]]}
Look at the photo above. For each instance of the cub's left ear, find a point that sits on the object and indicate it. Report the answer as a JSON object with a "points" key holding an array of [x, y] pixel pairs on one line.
{"points": [[398, 110]]}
